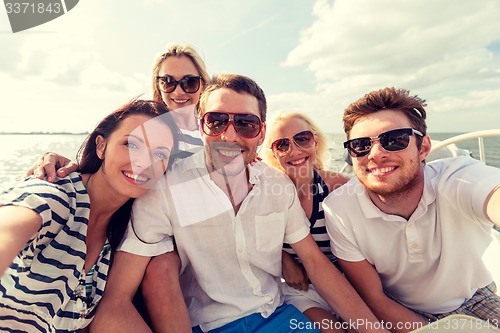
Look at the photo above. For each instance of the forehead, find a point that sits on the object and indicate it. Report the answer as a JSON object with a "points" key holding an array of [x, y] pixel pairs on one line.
{"points": [[379, 122], [145, 127], [288, 128], [230, 101], [177, 67]]}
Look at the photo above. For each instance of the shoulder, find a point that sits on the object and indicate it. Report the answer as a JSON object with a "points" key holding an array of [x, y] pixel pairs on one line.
{"points": [[333, 179], [43, 197]]}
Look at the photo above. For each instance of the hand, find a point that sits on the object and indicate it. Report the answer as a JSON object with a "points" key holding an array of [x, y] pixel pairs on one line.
{"points": [[294, 275], [46, 165]]}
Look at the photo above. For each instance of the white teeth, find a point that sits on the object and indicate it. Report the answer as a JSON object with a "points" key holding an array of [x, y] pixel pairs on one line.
{"points": [[180, 101], [297, 161], [230, 153], [136, 177], [382, 170]]}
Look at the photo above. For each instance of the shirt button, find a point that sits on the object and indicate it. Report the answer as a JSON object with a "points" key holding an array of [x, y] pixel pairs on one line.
{"points": [[414, 246]]}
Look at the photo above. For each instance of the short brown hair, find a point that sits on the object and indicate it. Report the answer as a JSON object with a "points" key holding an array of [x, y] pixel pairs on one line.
{"points": [[238, 83], [387, 99]]}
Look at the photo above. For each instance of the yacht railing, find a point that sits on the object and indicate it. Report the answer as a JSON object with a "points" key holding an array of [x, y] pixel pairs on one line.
{"points": [[480, 135]]}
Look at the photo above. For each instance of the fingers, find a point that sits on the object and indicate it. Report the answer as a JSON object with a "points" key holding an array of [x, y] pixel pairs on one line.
{"points": [[68, 168], [45, 166]]}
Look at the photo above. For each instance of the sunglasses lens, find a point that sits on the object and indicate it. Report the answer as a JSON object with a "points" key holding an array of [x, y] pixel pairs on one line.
{"points": [[359, 147], [190, 84], [167, 84], [247, 125], [395, 140], [281, 146], [304, 139], [214, 123]]}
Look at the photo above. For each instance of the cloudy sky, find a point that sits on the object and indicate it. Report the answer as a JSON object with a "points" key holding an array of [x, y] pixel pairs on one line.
{"points": [[314, 56]]}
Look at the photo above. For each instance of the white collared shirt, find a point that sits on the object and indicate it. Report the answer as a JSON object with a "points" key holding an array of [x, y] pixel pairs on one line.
{"points": [[433, 261], [231, 263]]}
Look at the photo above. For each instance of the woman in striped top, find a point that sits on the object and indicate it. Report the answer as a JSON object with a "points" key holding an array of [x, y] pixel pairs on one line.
{"points": [[294, 145], [57, 239]]}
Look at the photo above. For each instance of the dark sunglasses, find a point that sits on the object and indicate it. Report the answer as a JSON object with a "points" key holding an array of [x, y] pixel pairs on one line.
{"points": [[189, 83], [303, 139], [245, 124], [395, 140]]}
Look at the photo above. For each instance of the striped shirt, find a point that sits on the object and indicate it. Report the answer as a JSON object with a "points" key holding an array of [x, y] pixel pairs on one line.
{"points": [[189, 143], [44, 289], [317, 220]]}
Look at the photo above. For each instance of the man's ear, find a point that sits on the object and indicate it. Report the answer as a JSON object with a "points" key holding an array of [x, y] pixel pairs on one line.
{"points": [[425, 149], [100, 146], [262, 134]]}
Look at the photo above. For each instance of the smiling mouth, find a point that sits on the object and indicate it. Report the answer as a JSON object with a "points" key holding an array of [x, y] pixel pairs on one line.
{"points": [[380, 171], [136, 178], [229, 153], [297, 162], [180, 101]]}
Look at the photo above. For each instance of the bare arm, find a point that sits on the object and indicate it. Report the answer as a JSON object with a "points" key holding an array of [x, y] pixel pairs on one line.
{"points": [[366, 281], [46, 165], [115, 312], [492, 206], [334, 287], [17, 226], [293, 274]]}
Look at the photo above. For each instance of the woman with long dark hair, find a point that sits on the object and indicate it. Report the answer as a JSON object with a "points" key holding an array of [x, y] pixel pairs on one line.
{"points": [[57, 239]]}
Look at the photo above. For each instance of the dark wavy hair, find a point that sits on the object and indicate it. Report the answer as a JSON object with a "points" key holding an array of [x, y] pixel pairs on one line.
{"points": [[89, 162]]}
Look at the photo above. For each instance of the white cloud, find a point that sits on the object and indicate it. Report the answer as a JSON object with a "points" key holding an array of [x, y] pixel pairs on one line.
{"points": [[437, 49]]}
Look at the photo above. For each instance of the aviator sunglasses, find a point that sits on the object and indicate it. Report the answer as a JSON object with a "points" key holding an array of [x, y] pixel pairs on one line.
{"points": [[245, 124], [189, 83], [395, 140], [303, 139]]}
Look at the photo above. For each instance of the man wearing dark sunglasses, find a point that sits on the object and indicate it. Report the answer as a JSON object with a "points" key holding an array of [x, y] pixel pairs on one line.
{"points": [[229, 216], [410, 236]]}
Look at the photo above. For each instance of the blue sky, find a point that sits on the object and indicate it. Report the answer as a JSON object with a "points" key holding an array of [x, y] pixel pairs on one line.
{"points": [[313, 56]]}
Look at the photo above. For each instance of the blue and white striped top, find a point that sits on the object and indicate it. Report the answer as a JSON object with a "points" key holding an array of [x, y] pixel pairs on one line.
{"points": [[44, 289], [317, 220]]}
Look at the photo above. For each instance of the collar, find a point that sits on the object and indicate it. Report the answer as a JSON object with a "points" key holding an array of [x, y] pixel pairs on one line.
{"points": [[197, 161]]}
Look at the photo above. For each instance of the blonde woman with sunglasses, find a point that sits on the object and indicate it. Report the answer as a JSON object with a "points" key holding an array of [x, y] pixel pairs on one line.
{"points": [[294, 145]]}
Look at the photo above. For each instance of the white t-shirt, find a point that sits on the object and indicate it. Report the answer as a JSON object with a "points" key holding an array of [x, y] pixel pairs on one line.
{"points": [[433, 261], [231, 264]]}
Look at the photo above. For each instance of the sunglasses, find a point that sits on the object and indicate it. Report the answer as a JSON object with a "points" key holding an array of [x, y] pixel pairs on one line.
{"points": [[245, 124], [395, 140], [304, 139], [189, 83]]}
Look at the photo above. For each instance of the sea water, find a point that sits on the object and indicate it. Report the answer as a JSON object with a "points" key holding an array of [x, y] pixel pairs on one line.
{"points": [[19, 151]]}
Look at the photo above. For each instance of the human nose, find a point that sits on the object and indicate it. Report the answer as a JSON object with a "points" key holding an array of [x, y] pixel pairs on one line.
{"points": [[376, 148], [293, 148], [230, 133]]}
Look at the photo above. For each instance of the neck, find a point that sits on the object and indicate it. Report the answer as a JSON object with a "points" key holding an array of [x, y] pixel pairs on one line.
{"points": [[401, 203], [104, 202], [185, 118], [236, 187], [304, 185]]}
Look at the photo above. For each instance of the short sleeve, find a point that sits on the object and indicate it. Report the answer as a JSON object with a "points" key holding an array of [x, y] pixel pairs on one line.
{"points": [[149, 232], [342, 241]]}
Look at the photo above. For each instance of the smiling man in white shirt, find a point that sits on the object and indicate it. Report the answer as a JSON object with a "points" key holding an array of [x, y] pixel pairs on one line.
{"points": [[229, 217]]}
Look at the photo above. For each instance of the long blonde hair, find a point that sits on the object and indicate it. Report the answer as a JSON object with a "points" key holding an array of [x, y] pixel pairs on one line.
{"points": [[322, 145], [178, 50]]}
